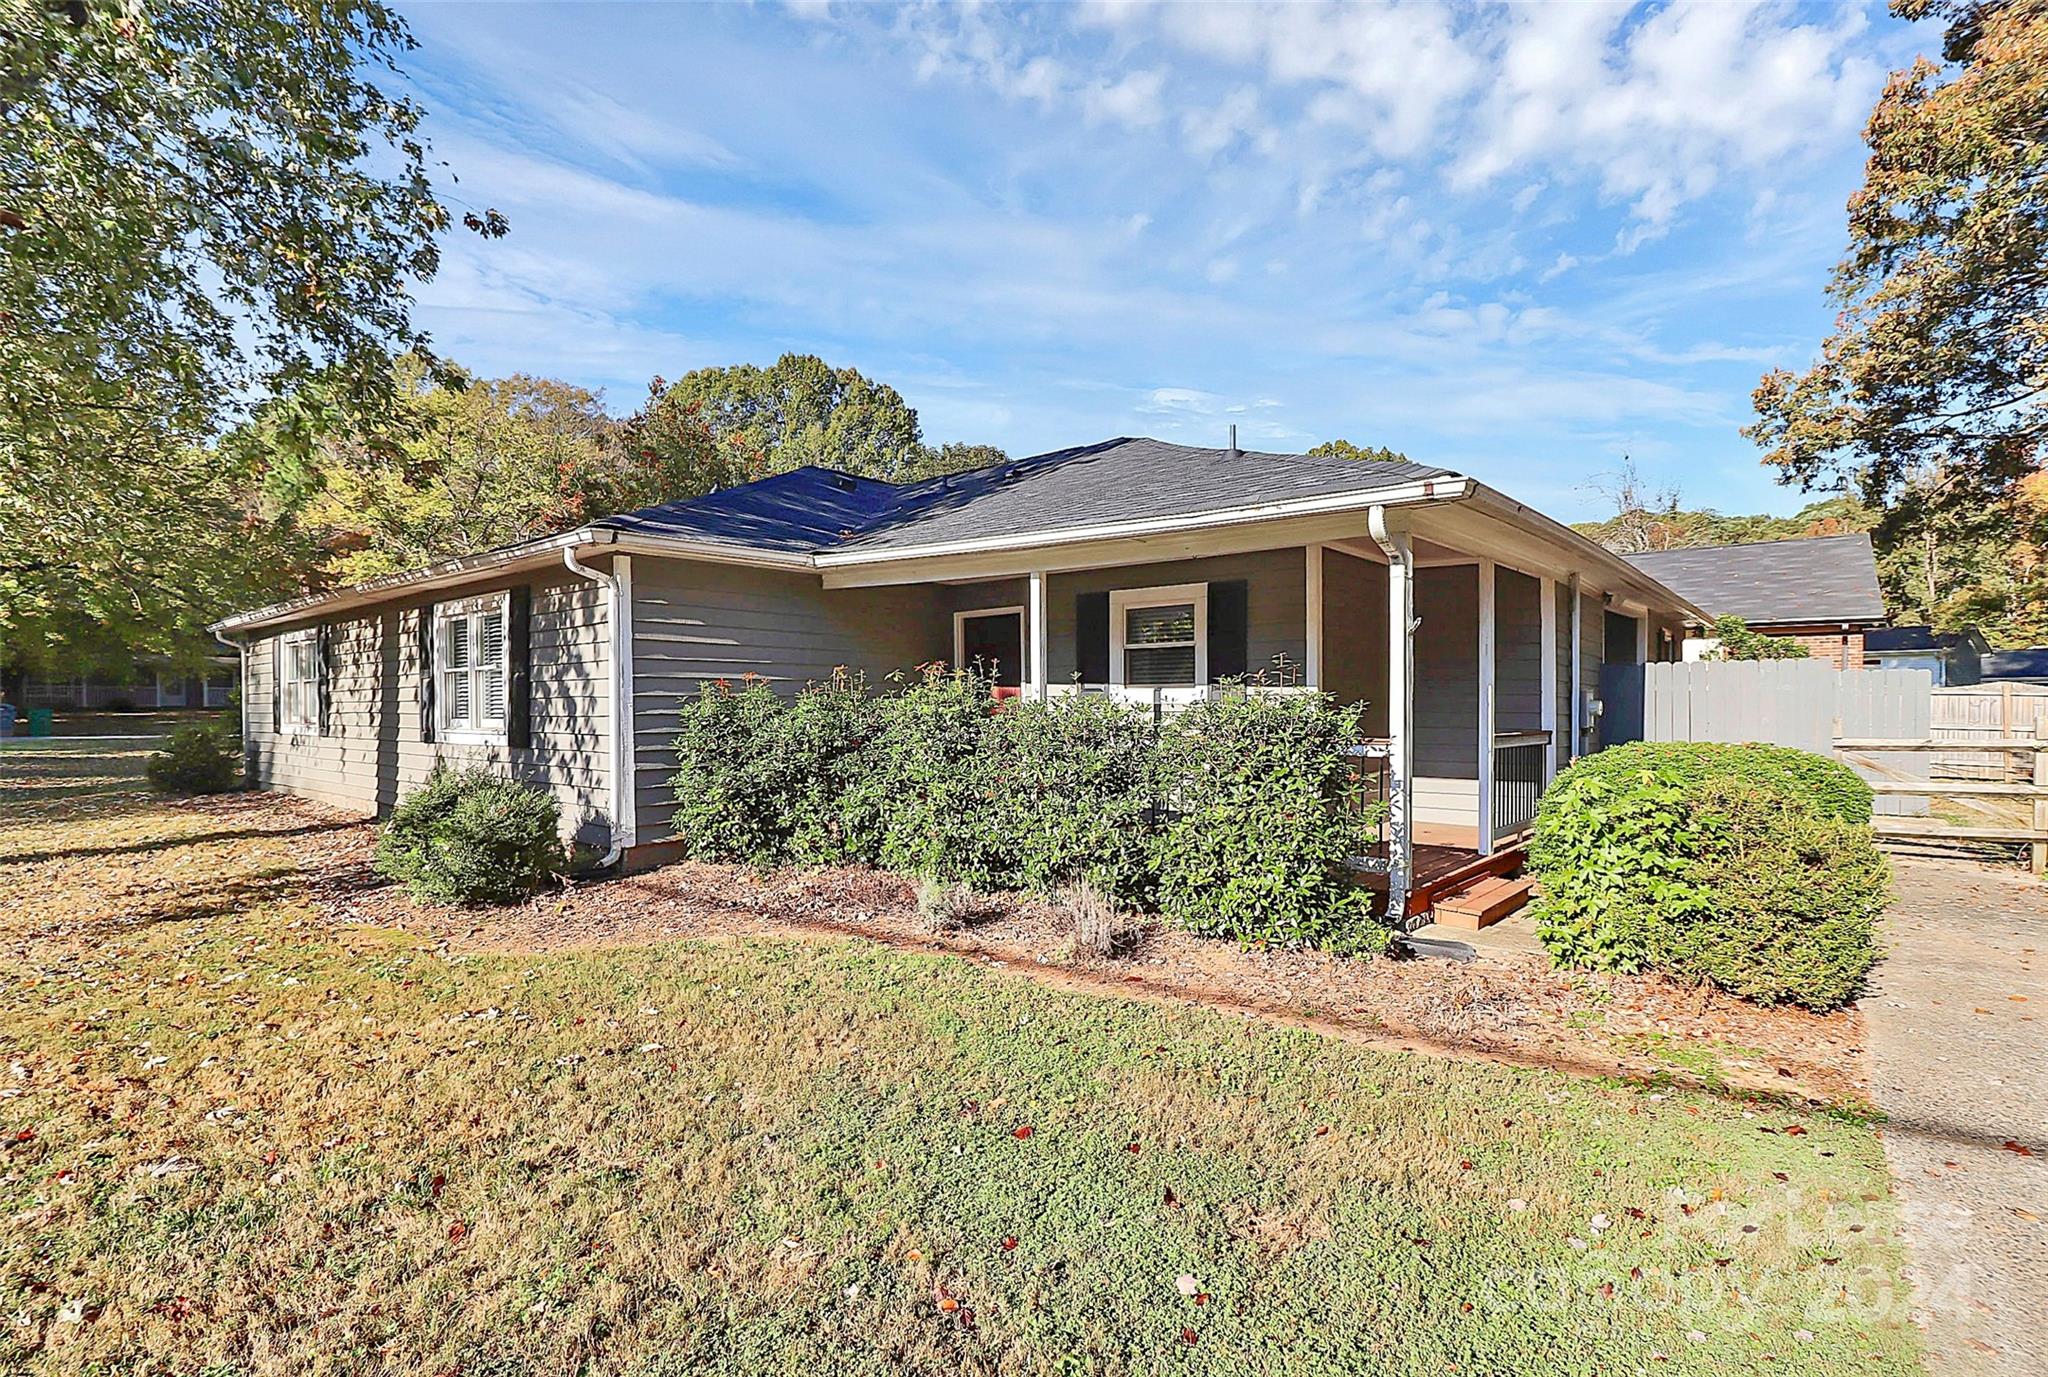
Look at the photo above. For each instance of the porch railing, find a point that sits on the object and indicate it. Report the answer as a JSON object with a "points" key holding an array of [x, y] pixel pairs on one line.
{"points": [[1518, 764], [1365, 799]]}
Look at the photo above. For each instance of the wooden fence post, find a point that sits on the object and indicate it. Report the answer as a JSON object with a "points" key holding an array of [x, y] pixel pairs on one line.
{"points": [[2038, 852]]}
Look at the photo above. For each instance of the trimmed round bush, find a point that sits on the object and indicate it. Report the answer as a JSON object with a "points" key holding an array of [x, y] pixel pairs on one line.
{"points": [[196, 759], [473, 837], [1824, 784], [1733, 865]]}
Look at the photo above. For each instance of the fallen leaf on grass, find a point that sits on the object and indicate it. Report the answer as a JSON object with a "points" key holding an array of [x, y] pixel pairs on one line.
{"points": [[1021, 1131], [2020, 1148]]}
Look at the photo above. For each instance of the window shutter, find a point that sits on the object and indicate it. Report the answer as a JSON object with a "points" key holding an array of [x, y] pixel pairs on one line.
{"points": [[1091, 632], [519, 660], [424, 629], [323, 677], [1227, 629], [277, 656]]}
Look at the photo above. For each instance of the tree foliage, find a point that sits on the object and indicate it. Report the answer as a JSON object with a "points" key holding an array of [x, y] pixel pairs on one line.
{"points": [[1738, 642], [200, 204], [1930, 400], [1344, 449]]}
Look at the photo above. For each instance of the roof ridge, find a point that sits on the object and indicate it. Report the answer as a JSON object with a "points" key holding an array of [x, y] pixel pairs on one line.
{"points": [[1753, 544]]}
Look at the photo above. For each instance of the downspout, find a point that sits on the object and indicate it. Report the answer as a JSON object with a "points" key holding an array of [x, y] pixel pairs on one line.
{"points": [[622, 693], [1400, 712]]}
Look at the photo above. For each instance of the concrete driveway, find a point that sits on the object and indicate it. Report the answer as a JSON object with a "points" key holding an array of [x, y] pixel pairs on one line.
{"points": [[1958, 1042]]}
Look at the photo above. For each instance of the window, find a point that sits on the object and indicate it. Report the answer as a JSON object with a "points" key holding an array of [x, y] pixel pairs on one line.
{"points": [[298, 681], [470, 664], [1160, 636]]}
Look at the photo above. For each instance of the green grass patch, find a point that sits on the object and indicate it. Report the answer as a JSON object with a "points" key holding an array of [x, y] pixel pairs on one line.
{"points": [[259, 1143]]}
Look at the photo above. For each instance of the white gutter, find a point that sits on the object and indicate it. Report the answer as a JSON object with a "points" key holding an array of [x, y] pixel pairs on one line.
{"points": [[620, 615]]}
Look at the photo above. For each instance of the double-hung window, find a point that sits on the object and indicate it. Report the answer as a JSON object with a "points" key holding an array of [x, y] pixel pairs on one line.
{"points": [[298, 681], [470, 668], [1159, 637]]}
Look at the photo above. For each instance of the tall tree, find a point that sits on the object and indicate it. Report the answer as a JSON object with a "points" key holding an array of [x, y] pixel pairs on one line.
{"points": [[1344, 449], [801, 410], [1931, 397], [202, 202]]}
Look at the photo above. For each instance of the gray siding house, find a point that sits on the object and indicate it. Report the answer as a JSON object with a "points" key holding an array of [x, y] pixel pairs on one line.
{"points": [[1472, 627]]}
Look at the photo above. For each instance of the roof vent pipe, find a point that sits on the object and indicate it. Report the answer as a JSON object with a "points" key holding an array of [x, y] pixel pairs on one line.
{"points": [[1234, 450]]}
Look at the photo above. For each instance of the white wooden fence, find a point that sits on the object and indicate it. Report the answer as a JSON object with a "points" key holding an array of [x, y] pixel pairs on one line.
{"points": [[1787, 702]]}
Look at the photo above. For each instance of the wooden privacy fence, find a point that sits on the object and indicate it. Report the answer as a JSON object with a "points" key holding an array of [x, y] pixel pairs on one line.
{"points": [[1997, 713], [1799, 703], [2033, 789]]}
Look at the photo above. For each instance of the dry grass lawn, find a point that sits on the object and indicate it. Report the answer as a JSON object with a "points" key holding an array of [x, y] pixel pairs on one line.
{"points": [[241, 1138]]}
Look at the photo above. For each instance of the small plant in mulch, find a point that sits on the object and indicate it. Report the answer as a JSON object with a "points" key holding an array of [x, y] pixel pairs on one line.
{"points": [[196, 760], [1101, 927], [944, 908], [473, 837]]}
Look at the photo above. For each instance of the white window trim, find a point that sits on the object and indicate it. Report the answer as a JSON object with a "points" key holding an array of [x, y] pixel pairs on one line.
{"points": [[444, 728], [1121, 600], [967, 614], [309, 724]]}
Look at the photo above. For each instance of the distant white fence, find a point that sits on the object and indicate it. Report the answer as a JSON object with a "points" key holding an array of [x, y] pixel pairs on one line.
{"points": [[1787, 702]]}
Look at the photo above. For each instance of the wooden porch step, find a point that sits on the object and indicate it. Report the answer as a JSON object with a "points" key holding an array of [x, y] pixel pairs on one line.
{"points": [[1484, 903]]}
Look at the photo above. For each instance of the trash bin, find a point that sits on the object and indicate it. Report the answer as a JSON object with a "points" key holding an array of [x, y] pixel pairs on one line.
{"points": [[40, 721], [8, 712]]}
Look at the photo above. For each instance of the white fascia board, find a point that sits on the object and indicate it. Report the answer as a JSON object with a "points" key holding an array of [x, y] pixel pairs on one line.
{"points": [[1613, 570], [1449, 488], [534, 554]]}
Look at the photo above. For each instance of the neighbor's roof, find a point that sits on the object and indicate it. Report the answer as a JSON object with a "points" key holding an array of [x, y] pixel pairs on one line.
{"points": [[1824, 579], [2017, 664]]}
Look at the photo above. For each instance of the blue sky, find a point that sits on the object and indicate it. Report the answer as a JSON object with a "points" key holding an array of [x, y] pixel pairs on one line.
{"points": [[1518, 241]]}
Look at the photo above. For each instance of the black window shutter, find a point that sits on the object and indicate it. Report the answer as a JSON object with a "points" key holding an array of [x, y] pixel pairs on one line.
{"points": [[324, 669], [276, 686], [1091, 632], [519, 675], [1227, 629], [425, 630]]}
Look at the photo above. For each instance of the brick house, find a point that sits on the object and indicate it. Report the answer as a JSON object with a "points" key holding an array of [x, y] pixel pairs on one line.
{"points": [[1821, 591]]}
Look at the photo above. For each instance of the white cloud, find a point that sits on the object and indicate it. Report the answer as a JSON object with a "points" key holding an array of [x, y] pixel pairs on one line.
{"points": [[1132, 99]]}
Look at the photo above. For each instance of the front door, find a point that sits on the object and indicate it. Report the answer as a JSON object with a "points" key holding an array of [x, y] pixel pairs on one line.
{"points": [[993, 643]]}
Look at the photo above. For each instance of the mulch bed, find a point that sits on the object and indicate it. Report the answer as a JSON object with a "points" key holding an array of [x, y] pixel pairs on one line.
{"points": [[1516, 1011]]}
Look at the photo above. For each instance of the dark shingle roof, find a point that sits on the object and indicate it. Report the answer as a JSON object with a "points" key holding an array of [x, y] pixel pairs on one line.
{"points": [[1775, 582], [2017, 664], [811, 509], [798, 512]]}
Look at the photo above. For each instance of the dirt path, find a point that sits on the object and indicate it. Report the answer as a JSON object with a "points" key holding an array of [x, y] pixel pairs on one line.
{"points": [[1958, 1035]]}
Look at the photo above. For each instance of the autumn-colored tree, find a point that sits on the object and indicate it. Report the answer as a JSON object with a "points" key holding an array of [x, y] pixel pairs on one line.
{"points": [[200, 204], [1931, 398]]}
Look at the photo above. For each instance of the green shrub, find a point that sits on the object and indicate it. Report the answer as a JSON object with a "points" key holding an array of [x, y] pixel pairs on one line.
{"points": [[1259, 829], [1734, 865], [733, 781], [1233, 820], [196, 760], [1078, 793], [471, 836], [1825, 785]]}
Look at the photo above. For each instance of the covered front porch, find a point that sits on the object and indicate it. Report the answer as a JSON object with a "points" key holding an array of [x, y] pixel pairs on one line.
{"points": [[1473, 639]]}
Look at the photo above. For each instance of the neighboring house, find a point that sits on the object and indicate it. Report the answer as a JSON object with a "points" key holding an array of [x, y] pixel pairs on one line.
{"points": [[1954, 658], [1821, 591], [2017, 666], [1473, 627], [148, 684]]}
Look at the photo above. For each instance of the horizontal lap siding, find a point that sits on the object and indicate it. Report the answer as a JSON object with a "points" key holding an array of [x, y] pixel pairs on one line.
{"points": [[1518, 652], [1355, 635], [1447, 695], [1276, 604], [695, 623], [1592, 654], [372, 753]]}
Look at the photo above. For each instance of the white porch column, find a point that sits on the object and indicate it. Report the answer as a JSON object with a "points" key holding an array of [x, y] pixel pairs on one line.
{"points": [[1546, 589], [1312, 674], [1578, 710], [1400, 712], [1487, 585], [1035, 628]]}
